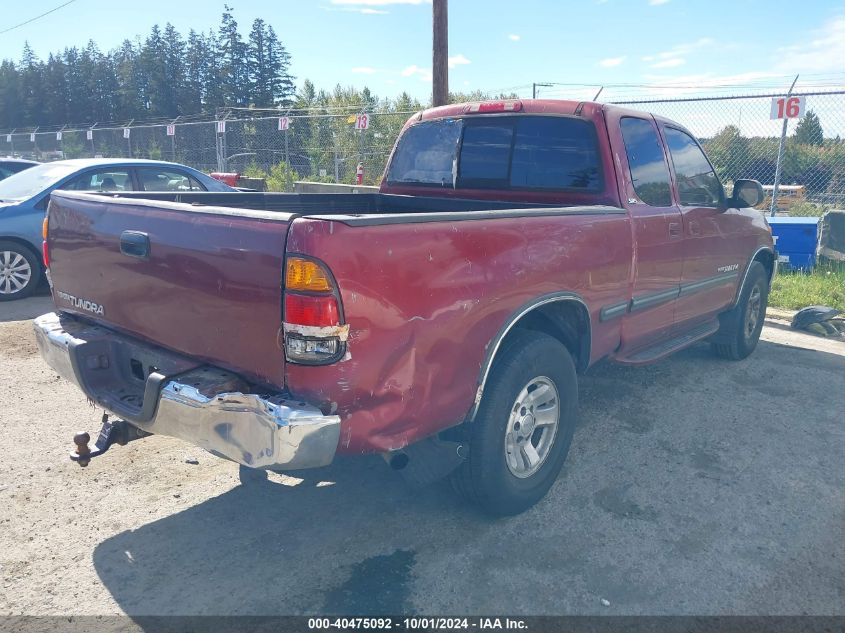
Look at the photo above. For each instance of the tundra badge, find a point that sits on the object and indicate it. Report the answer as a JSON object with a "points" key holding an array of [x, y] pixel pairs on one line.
{"points": [[80, 303]]}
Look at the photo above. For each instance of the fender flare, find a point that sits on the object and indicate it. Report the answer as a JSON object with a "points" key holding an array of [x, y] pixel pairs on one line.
{"points": [[496, 342], [741, 285]]}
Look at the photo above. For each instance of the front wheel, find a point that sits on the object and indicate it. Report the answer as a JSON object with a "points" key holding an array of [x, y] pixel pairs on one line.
{"points": [[524, 426], [740, 328], [20, 271]]}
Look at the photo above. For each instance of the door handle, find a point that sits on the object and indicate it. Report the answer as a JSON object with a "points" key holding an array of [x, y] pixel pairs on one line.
{"points": [[135, 244], [674, 230]]}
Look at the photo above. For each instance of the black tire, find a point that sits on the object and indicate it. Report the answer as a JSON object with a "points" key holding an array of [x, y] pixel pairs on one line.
{"points": [[251, 476], [485, 477], [740, 328], [17, 261]]}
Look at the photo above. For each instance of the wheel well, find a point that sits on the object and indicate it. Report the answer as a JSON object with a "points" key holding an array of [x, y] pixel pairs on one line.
{"points": [[25, 244], [766, 258], [567, 321]]}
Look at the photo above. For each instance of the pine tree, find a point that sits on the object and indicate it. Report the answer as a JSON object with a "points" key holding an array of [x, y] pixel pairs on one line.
{"points": [[278, 59], [161, 75], [10, 110], [809, 130], [55, 98], [30, 84], [128, 74], [196, 60], [173, 48], [233, 72]]}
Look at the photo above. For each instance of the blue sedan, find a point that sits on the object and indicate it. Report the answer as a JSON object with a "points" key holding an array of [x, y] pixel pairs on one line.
{"points": [[24, 197]]}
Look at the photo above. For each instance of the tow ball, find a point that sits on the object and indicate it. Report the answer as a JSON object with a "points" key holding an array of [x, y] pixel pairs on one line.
{"points": [[118, 432]]}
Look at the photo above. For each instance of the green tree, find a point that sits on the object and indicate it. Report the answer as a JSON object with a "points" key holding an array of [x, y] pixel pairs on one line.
{"points": [[809, 130], [281, 178], [29, 85], [729, 151], [233, 70]]}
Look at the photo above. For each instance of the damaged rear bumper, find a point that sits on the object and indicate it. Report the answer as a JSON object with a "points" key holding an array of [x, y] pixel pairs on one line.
{"points": [[162, 393]]}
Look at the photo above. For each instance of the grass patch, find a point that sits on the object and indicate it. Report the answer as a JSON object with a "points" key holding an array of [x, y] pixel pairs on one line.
{"points": [[796, 290]]}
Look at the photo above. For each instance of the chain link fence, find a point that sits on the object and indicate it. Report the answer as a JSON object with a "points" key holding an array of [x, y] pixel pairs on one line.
{"points": [[321, 146], [324, 145]]}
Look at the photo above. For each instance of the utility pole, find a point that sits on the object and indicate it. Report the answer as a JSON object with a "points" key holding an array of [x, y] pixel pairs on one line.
{"points": [[534, 87], [440, 52]]}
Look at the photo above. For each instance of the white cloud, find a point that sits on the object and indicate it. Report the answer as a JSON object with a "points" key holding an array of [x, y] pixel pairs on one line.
{"points": [[823, 53], [655, 3], [458, 60], [610, 62], [675, 56], [364, 70], [415, 71], [514, 38], [366, 11], [673, 62]]}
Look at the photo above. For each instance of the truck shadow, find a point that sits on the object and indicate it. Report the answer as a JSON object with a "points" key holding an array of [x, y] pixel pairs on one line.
{"points": [[319, 546]]}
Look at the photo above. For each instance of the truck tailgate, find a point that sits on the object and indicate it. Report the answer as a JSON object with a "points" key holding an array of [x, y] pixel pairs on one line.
{"points": [[202, 281]]}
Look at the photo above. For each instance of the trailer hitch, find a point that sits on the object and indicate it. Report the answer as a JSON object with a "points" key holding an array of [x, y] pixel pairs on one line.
{"points": [[119, 432]]}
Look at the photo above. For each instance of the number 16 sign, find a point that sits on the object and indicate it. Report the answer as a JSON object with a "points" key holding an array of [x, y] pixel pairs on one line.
{"points": [[788, 107]]}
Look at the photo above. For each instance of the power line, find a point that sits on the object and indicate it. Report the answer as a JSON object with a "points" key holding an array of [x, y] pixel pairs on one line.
{"points": [[37, 17]]}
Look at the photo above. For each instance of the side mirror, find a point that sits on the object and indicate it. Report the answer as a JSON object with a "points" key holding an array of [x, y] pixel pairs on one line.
{"points": [[747, 193]]}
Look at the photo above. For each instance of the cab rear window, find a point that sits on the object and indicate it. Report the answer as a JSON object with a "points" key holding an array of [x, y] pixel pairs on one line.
{"points": [[502, 152]]}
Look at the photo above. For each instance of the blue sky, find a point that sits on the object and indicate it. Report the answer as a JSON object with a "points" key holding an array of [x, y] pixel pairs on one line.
{"points": [[675, 46]]}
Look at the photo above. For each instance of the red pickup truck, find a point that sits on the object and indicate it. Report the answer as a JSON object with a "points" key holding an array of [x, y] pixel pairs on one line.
{"points": [[441, 322]]}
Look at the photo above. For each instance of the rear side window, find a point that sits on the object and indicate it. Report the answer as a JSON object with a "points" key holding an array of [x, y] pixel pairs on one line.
{"points": [[155, 179], [101, 180], [649, 172], [698, 184]]}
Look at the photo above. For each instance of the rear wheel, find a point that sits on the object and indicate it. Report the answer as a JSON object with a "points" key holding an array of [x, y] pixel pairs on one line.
{"points": [[522, 432], [20, 271], [740, 328]]}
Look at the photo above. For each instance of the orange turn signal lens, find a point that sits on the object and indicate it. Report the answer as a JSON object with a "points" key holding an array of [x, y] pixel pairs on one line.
{"points": [[304, 274], [44, 228]]}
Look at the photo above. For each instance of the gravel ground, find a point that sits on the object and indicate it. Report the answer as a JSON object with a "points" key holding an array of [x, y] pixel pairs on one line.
{"points": [[694, 486]]}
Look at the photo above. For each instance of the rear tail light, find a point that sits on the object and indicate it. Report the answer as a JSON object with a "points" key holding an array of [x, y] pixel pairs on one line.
{"points": [[308, 275], [45, 252], [313, 319], [319, 311]]}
